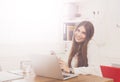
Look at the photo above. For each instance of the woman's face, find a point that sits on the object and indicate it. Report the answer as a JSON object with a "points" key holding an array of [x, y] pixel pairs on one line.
{"points": [[80, 34]]}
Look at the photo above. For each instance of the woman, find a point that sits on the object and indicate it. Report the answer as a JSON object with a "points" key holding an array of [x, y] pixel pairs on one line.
{"points": [[78, 57]]}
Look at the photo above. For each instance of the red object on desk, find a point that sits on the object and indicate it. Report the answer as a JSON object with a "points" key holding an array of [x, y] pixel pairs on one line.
{"points": [[111, 72]]}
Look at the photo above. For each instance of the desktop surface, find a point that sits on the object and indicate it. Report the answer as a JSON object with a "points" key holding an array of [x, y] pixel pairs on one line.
{"points": [[80, 78]]}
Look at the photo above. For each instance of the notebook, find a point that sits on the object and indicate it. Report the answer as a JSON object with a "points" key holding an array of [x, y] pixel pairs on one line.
{"points": [[48, 66], [6, 76]]}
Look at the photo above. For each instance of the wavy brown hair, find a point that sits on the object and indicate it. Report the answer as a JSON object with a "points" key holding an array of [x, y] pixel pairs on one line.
{"points": [[81, 48]]}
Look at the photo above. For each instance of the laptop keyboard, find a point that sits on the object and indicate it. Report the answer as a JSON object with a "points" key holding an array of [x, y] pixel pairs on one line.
{"points": [[66, 76]]}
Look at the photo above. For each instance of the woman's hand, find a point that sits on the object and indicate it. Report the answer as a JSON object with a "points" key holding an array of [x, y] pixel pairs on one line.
{"points": [[64, 66]]}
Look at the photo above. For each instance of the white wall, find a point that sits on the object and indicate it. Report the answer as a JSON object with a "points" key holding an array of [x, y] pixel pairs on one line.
{"points": [[107, 26], [29, 27]]}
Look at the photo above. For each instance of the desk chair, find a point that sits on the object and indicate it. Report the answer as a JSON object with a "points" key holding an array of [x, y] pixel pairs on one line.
{"points": [[111, 72]]}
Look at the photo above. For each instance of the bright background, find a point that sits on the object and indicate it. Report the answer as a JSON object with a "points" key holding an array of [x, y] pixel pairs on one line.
{"points": [[36, 26]]}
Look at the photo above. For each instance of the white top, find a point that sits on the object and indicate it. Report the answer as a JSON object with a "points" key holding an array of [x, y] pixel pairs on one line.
{"points": [[93, 61]]}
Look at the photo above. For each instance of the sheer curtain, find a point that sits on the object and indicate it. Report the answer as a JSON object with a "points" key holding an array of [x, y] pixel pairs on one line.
{"points": [[28, 26]]}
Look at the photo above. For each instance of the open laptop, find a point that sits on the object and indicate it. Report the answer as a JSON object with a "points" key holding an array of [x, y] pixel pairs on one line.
{"points": [[48, 66]]}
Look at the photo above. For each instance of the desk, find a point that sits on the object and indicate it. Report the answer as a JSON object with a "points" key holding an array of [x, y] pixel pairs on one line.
{"points": [[80, 78]]}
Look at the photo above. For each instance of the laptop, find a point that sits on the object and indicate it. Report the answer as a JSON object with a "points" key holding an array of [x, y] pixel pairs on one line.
{"points": [[48, 66]]}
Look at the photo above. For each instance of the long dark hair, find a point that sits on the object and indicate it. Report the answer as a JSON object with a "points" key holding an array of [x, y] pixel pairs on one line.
{"points": [[81, 48]]}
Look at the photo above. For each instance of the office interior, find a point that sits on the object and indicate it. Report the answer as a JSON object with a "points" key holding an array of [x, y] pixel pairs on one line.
{"points": [[37, 27]]}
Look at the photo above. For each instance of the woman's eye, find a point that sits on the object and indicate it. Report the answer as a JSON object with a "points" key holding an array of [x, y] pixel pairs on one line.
{"points": [[78, 30], [84, 32]]}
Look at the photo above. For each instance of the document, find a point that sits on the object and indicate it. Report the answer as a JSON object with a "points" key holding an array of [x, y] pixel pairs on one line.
{"points": [[6, 76]]}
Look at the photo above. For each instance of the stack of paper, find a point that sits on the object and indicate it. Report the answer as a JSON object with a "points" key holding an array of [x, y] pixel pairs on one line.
{"points": [[5, 76]]}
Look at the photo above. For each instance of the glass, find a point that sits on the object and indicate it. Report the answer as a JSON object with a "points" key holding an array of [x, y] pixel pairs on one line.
{"points": [[26, 67]]}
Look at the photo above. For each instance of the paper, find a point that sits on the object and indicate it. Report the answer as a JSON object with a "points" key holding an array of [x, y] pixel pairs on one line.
{"points": [[5, 76]]}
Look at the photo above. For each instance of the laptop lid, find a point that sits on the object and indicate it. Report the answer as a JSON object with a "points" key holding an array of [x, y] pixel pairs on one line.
{"points": [[48, 66]]}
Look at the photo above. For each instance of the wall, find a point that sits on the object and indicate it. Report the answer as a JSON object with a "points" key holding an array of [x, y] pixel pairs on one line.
{"points": [[29, 27], [105, 16]]}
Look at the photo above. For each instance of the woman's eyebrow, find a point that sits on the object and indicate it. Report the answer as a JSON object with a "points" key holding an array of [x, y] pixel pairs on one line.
{"points": [[84, 32]]}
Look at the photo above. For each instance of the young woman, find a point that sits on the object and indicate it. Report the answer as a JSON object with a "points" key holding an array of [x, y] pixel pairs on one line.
{"points": [[78, 56]]}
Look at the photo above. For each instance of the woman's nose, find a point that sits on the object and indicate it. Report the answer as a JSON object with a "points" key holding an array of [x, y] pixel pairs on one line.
{"points": [[79, 34]]}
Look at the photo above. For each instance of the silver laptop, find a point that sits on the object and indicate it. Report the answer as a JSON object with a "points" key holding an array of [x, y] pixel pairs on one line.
{"points": [[48, 66]]}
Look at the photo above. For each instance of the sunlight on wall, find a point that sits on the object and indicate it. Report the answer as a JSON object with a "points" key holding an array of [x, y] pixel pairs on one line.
{"points": [[30, 26], [30, 21]]}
